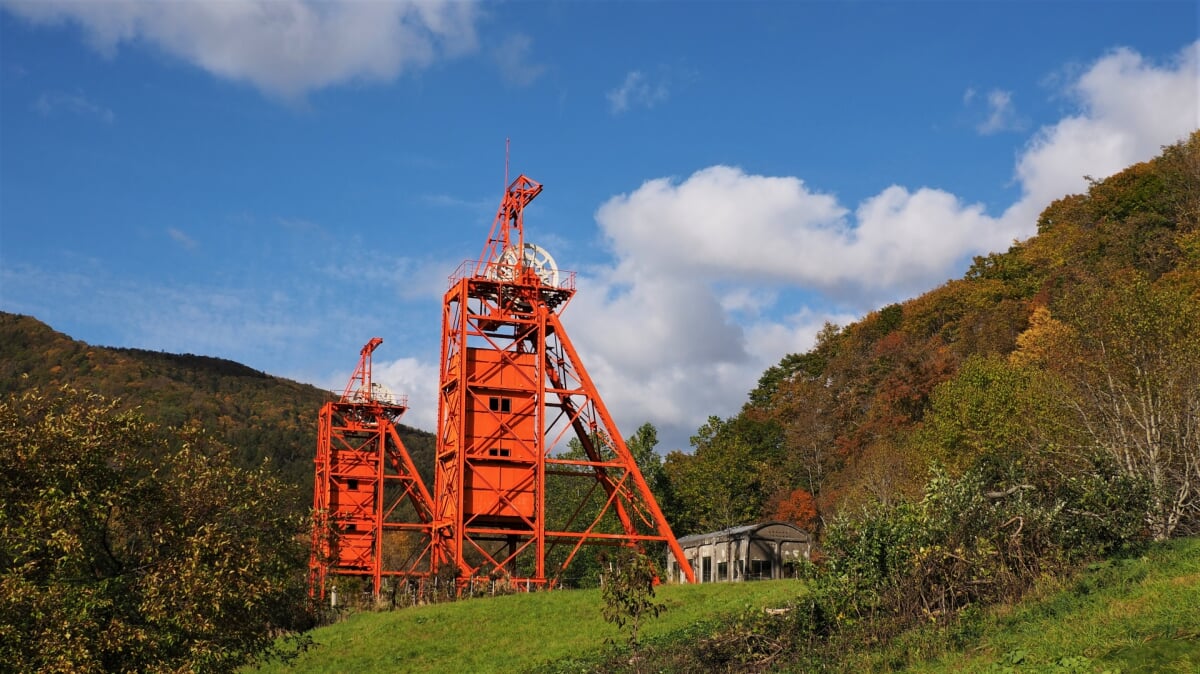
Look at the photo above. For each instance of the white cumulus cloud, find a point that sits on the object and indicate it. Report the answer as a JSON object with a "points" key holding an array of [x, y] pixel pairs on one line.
{"points": [[724, 224], [1128, 108], [413, 378], [284, 47]]}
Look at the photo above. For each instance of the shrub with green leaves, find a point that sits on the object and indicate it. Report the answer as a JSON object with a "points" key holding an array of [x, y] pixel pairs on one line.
{"points": [[127, 548], [628, 592], [964, 544]]}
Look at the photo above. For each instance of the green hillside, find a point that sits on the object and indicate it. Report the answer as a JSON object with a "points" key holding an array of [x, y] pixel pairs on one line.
{"points": [[1127, 615], [519, 632], [1140, 614]]}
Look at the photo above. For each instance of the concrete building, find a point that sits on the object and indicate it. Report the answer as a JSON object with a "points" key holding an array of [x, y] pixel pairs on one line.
{"points": [[750, 552]]}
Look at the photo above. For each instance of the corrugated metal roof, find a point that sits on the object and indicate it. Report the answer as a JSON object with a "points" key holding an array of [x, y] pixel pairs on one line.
{"points": [[735, 532]]}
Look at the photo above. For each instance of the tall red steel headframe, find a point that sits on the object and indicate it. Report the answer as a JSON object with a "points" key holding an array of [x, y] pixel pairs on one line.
{"points": [[513, 392], [372, 511]]}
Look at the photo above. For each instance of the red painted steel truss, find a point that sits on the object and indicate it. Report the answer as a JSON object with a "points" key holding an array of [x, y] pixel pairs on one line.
{"points": [[371, 510], [513, 390]]}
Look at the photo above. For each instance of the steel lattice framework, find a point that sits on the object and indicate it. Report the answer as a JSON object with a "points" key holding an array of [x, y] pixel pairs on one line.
{"points": [[513, 390], [372, 511]]}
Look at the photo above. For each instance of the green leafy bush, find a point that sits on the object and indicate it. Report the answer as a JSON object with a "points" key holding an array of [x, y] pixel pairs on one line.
{"points": [[127, 548]]}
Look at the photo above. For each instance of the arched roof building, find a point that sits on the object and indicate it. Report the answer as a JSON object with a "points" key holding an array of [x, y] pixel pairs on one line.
{"points": [[749, 552]]}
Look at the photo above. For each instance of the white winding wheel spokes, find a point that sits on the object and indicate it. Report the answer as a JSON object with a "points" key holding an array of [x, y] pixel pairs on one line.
{"points": [[532, 256]]}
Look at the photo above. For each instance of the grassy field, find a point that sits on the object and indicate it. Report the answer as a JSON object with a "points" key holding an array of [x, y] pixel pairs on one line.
{"points": [[1133, 615], [513, 633], [1128, 616]]}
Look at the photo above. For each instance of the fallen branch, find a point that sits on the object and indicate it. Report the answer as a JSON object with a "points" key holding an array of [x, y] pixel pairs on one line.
{"points": [[1007, 492]]}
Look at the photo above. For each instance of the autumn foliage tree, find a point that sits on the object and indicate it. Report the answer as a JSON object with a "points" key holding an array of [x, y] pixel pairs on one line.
{"points": [[798, 507], [1132, 360], [804, 407], [124, 547]]}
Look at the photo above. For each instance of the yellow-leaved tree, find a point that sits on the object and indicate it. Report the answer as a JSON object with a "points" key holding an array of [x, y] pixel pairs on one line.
{"points": [[127, 547]]}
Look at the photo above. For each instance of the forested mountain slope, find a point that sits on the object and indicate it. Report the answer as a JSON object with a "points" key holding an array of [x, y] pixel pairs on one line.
{"points": [[1079, 343], [261, 416]]}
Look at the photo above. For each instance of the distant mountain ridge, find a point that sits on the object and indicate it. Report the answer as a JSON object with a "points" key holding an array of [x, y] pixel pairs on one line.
{"points": [[260, 415]]}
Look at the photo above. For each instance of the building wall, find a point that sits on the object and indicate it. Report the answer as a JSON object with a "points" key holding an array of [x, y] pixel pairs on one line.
{"points": [[753, 554]]}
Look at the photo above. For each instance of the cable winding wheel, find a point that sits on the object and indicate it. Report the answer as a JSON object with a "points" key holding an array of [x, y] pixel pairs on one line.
{"points": [[532, 256]]}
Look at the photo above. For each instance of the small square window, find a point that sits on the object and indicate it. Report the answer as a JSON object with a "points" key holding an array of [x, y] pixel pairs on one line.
{"points": [[502, 405], [352, 485], [760, 569]]}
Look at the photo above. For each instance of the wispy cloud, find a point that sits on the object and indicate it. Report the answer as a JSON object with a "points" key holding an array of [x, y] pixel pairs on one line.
{"points": [[59, 102], [181, 238], [513, 58], [639, 90], [450, 201], [299, 225], [238, 322], [283, 47], [1001, 113]]}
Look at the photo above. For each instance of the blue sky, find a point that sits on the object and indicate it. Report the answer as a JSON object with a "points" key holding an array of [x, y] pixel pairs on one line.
{"points": [[277, 181]]}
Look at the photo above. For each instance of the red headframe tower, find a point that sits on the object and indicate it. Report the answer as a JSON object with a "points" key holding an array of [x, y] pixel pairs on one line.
{"points": [[372, 510], [512, 391]]}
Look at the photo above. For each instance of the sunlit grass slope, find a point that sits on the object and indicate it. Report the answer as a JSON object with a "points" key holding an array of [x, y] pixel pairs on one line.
{"points": [[1127, 615], [513, 633], [1130, 615]]}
